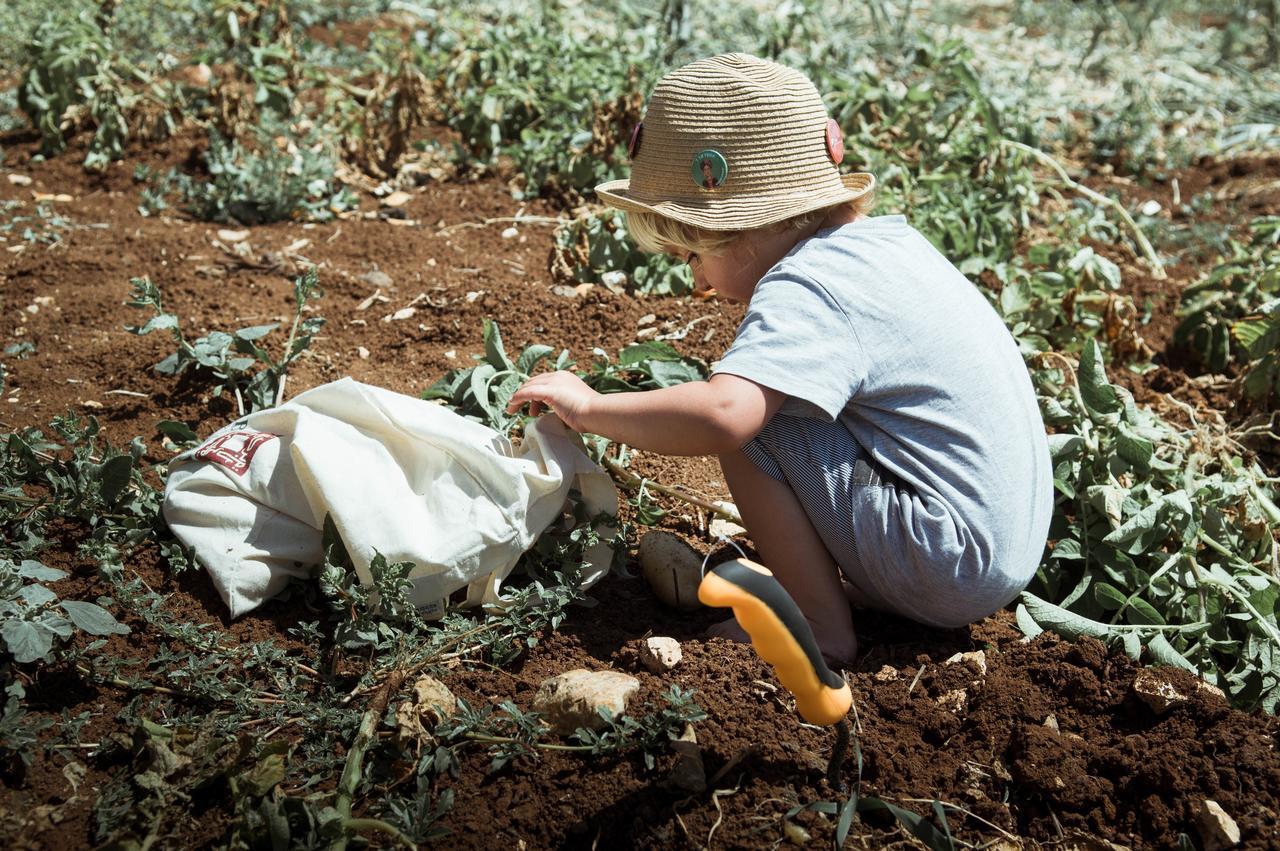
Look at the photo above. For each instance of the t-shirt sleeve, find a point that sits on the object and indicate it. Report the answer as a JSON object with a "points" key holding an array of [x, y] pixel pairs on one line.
{"points": [[797, 339]]}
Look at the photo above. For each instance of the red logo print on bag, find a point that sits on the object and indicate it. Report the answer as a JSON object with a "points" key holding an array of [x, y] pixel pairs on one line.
{"points": [[234, 450]]}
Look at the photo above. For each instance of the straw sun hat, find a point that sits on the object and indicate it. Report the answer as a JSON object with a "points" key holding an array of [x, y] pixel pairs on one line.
{"points": [[733, 143]]}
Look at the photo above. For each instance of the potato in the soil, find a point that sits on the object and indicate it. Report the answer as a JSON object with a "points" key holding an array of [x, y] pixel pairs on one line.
{"points": [[672, 568]]}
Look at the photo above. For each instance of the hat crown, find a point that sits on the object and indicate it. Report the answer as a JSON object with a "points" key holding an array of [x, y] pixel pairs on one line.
{"points": [[766, 120], [734, 141]]}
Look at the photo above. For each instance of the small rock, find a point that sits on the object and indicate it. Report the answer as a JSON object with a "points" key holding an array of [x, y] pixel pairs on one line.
{"points": [[362, 352], [795, 833], [397, 199], [615, 281], [571, 700], [886, 674], [647, 319], [233, 235], [452, 354], [56, 197], [976, 659], [1150, 208], [510, 233], [404, 313], [660, 654], [688, 774], [1051, 723], [472, 296], [1156, 692], [564, 291], [672, 568], [19, 180], [378, 279], [719, 527], [92, 405], [1217, 829], [953, 701], [583, 289], [648, 331]]}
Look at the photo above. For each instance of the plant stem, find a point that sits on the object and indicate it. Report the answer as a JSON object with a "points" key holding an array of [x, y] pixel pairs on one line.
{"points": [[1157, 268], [631, 481], [357, 824], [353, 770]]}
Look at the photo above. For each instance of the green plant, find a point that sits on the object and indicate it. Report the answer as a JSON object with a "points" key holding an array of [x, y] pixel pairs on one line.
{"points": [[481, 392], [281, 176], [595, 248], [1237, 287], [1259, 335], [231, 358], [1159, 538], [33, 619]]}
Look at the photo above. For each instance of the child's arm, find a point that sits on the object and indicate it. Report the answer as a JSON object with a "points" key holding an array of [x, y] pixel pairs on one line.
{"points": [[698, 418]]}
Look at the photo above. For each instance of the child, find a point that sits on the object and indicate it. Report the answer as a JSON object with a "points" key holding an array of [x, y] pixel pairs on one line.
{"points": [[873, 418]]}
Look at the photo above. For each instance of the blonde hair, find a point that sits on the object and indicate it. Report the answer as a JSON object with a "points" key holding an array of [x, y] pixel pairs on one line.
{"points": [[658, 234]]}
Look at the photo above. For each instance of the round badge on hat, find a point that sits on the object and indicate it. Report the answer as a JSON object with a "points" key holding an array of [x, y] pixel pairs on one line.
{"points": [[709, 169], [835, 141], [633, 146]]}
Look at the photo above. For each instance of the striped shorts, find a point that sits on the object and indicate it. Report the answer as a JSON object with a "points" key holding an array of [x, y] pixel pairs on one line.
{"points": [[836, 480]]}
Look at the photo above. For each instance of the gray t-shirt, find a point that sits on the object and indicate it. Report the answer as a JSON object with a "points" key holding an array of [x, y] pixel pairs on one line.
{"points": [[870, 324]]}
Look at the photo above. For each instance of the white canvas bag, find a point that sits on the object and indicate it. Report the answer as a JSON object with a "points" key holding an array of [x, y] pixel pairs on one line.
{"points": [[400, 476]]}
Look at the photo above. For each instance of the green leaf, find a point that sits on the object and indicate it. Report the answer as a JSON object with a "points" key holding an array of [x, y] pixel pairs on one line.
{"points": [[531, 357], [40, 573], [671, 373], [114, 477], [1134, 448], [920, 827], [257, 332], [494, 352], [1064, 622], [27, 641], [179, 432], [1098, 394], [1108, 596], [93, 619], [1163, 653]]}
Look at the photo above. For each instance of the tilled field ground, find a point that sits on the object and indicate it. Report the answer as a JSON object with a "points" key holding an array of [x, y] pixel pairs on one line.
{"points": [[1049, 744]]}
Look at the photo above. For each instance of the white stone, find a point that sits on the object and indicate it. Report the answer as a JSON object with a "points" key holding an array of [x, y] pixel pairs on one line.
{"points": [[672, 568], [19, 180], [432, 703], [1150, 208], [1157, 692], [362, 352], [378, 279], [1217, 829], [721, 528], [615, 281], [571, 700], [510, 233], [404, 313], [976, 659], [233, 235], [396, 199], [660, 654]]}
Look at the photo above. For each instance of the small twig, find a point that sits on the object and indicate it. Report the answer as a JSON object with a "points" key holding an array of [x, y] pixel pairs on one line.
{"points": [[715, 799], [353, 769], [633, 482], [530, 220], [914, 682], [132, 393], [1157, 268]]}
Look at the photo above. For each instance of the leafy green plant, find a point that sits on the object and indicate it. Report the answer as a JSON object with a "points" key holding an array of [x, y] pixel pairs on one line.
{"points": [[481, 392], [595, 248], [33, 619], [1259, 336], [1236, 288], [268, 181], [1159, 538], [231, 358], [75, 76]]}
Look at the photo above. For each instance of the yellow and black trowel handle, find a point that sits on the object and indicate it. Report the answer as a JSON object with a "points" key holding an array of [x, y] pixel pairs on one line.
{"points": [[781, 635]]}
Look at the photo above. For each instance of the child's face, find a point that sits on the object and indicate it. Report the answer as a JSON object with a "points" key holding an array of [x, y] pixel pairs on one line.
{"points": [[735, 271]]}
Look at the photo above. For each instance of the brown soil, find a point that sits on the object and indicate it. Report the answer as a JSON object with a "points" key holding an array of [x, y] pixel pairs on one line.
{"points": [[1112, 768]]}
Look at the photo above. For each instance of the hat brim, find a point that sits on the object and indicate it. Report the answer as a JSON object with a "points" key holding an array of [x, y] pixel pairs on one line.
{"points": [[735, 212]]}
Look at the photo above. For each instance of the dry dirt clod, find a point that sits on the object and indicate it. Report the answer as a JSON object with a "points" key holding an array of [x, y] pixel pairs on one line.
{"points": [[1217, 829], [660, 654], [725, 528], [976, 659], [953, 701], [570, 700], [672, 568]]}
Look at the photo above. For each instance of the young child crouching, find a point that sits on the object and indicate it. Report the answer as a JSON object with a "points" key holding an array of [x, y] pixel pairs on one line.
{"points": [[873, 417]]}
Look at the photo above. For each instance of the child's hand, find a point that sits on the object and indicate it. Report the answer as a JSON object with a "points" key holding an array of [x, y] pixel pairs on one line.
{"points": [[562, 392]]}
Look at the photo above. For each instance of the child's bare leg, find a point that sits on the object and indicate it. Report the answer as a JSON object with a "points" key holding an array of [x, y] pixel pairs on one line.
{"points": [[793, 551]]}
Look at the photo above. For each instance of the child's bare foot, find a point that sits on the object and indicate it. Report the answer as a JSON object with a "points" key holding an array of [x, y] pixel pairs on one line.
{"points": [[837, 654]]}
